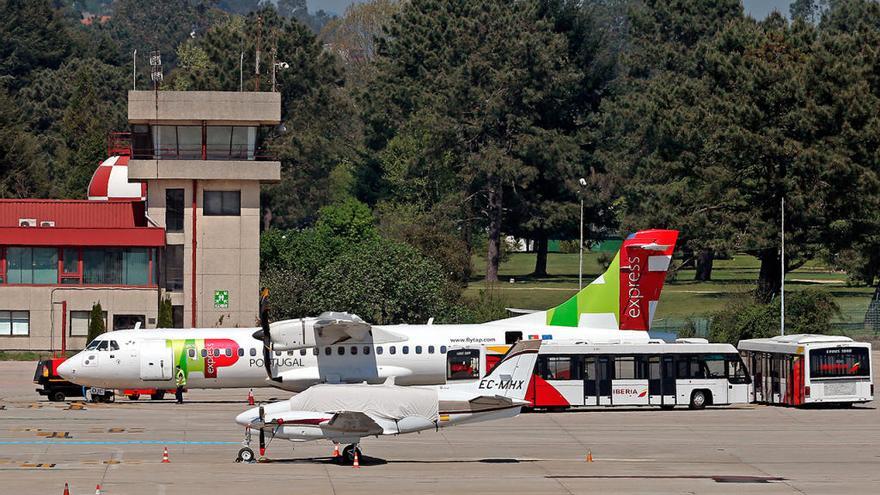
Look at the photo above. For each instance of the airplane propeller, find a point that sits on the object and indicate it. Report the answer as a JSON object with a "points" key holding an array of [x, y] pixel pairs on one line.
{"points": [[265, 334]]}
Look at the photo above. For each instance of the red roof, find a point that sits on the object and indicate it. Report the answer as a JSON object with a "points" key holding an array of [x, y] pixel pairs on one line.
{"points": [[76, 223]]}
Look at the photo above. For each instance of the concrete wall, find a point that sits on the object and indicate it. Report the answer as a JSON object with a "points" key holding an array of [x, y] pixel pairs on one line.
{"points": [[204, 169], [36, 300], [227, 255], [221, 107]]}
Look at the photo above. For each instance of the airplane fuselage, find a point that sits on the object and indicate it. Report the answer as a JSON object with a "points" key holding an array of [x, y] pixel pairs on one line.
{"points": [[220, 358]]}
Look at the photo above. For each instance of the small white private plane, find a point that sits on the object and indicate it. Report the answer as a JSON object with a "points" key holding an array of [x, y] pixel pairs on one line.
{"points": [[345, 414], [341, 348]]}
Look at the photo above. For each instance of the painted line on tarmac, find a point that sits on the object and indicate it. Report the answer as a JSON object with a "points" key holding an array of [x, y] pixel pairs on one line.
{"points": [[113, 442]]}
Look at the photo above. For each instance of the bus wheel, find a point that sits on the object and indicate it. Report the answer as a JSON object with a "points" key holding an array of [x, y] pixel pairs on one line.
{"points": [[699, 399], [57, 396], [158, 395], [134, 396]]}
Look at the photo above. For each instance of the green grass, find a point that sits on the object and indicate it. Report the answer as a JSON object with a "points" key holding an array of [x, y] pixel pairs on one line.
{"points": [[682, 297]]}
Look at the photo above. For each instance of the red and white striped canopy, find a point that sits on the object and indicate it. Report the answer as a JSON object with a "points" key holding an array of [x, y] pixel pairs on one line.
{"points": [[110, 182]]}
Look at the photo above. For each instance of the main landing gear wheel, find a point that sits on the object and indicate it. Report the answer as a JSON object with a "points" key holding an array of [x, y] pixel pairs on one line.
{"points": [[245, 455], [158, 395], [134, 396], [348, 454]]}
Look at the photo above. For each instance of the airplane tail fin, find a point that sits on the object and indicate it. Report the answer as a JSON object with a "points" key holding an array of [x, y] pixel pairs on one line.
{"points": [[510, 376], [626, 295]]}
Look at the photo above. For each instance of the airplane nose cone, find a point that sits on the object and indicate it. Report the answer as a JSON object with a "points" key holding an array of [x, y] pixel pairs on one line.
{"points": [[247, 417], [67, 370]]}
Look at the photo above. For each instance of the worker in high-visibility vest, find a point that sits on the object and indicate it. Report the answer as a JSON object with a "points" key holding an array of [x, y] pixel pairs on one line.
{"points": [[181, 382]]}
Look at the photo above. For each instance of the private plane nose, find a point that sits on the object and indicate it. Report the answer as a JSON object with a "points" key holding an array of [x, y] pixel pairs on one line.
{"points": [[248, 417]]}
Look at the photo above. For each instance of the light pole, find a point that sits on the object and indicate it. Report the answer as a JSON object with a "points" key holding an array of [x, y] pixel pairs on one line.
{"points": [[782, 278], [583, 183]]}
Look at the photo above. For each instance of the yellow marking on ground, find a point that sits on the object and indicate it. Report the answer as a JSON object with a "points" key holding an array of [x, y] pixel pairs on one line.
{"points": [[112, 461], [54, 434], [75, 406], [37, 466]]}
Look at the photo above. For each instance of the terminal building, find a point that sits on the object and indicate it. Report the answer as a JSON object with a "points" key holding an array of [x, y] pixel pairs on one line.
{"points": [[173, 213]]}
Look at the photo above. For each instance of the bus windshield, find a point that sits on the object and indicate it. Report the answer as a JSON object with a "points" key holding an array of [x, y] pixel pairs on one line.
{"points": [[839, 362]]}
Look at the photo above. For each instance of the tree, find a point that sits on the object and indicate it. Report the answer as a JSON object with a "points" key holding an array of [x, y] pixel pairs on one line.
{"points": [[23, 171], [166, 315], [96, 322], [478, 73], [34, 37]]}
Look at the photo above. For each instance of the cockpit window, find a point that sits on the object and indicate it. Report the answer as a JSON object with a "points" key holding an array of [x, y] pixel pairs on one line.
{"points": [[114, 346], [93, 345], [102, 346]]}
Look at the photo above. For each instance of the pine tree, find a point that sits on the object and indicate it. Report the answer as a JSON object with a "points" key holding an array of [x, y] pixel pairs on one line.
{"points": [[166, 318], [96, 322]]}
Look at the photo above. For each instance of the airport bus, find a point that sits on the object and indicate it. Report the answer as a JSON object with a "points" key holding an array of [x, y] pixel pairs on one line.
{"points": [[689, 372], [794, 370]]}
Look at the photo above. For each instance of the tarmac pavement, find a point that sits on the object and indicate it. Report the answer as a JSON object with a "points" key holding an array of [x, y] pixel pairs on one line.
{"points": [[743, 450]]}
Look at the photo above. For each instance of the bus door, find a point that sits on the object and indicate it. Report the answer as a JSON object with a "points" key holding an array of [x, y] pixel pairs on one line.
{"points": [[604, 376], [591, 383], [667, 380], [655, 383]]}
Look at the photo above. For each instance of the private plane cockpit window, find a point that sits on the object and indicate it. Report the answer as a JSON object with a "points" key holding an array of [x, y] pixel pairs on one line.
{"points": [[93, 345]]}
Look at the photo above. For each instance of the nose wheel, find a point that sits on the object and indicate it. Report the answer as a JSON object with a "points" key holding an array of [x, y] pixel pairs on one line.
{"points": [[245, 455]]}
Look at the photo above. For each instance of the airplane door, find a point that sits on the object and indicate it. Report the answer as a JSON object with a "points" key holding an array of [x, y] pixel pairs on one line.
{"points": [[667, 380], [591, 394], [156, 361], [604, 375]]}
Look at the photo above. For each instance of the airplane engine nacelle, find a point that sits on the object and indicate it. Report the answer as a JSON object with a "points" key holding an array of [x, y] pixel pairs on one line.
{"points": [[290, 335]]}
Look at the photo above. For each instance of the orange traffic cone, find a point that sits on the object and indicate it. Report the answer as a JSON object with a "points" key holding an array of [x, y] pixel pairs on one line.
{"points": [[335, 450], [589, 456], [165, 459], [251, 397], [356, 463], [98, 489], [66, 489]]}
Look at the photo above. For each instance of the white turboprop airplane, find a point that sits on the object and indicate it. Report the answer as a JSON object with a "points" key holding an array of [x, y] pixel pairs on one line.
{"points": [[341, 348], [345, 414]]}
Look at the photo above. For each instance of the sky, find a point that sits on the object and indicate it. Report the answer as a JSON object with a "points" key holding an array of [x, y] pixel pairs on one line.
{"points": [[757, 8]]}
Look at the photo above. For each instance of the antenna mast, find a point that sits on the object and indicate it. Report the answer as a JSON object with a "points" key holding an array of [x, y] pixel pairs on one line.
{"points": [[257, 64]]}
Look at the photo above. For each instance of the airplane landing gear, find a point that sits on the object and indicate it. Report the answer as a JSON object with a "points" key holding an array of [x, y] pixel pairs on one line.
{"points": [[348, 453], [245, 455]]}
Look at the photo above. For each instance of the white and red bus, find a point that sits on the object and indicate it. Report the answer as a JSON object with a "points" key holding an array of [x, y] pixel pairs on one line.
{"points": [[803, 369], [690, 372]]}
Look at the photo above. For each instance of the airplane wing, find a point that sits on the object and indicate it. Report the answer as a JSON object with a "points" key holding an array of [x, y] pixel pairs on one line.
{"points": [[335, 328], [352, 422]]}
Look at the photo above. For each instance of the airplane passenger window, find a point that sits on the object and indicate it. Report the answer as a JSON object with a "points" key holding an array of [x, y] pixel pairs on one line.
{"points": [[277, 353], [302, 352], [405, 349], [290, 353], [430, 349], [379, 349], [418, 349], [102, 346], [392, 350], [114, 346], [314, 351], [191, 353], [340, 350], [253, 352], [216, 352], [354, 350], [366, 350], [240, 351], [228, 352], [327, 351], [204, 353]]}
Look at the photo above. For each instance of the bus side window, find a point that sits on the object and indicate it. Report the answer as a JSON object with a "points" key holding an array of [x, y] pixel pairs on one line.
{"points": [[624, 368], [714, 366]]}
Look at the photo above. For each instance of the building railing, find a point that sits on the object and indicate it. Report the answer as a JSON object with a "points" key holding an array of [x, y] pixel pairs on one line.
{"points": [[235, 152]]}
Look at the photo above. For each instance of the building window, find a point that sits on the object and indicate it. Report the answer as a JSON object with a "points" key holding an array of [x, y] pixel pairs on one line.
{"points": [[71, 272], [177, 316], [165, 141], [116, 266], [79, 323], [226, 203], [15, 323], [174, 268], [189, 142], [127, 322], [25, 265], [2, 266], [174, 210]]}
